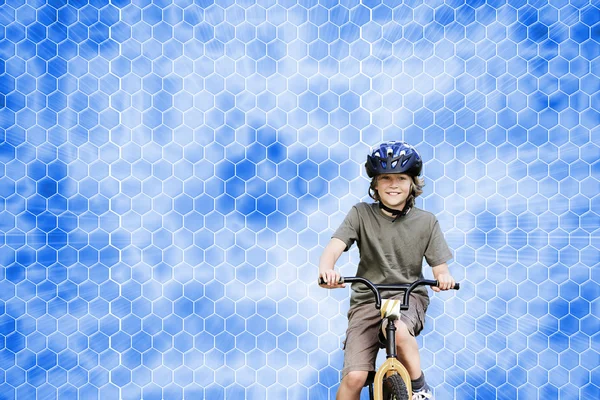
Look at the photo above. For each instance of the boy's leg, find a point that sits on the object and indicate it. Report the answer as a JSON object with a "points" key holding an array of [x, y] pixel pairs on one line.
{"points": [[351, 385], [408, 350], [408, 328], [360, 349]]}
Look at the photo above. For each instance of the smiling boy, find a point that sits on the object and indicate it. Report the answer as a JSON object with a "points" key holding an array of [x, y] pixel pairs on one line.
{"points": [[393, 236]]}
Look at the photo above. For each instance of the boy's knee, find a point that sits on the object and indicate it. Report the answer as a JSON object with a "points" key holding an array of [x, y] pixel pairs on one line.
{"points": [[402, 333], [356, 379]]}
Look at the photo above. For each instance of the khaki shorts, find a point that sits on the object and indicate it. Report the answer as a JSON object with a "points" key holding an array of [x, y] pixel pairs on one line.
{"points": [[362, 336]]}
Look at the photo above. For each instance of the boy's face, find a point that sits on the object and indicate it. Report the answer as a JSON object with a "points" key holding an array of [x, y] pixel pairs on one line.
{"points": [[393, 189]]}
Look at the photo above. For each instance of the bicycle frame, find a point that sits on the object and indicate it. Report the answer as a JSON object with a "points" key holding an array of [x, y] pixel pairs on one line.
{"points": [[391, 364]]}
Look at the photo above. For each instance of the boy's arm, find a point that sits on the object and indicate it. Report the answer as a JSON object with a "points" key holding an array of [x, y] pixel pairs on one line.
{"points": [[331, 254], [442, 274]]}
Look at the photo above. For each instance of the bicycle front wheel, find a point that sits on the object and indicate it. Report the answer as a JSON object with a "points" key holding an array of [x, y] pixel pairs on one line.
{"points": [[394, 388]]}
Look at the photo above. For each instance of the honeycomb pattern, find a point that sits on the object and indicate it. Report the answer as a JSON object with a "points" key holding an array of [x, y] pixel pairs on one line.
{"points": [[171, 170]]}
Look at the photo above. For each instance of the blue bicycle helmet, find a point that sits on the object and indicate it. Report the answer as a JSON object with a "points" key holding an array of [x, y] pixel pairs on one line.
{"points": [[394, 158]]}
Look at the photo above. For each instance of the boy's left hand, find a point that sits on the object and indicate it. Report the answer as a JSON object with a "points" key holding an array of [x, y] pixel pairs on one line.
{"points": [[445, 282]]}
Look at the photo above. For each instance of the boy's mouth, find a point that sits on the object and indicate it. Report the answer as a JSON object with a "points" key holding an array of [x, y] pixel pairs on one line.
{"points": [[393, 193]]}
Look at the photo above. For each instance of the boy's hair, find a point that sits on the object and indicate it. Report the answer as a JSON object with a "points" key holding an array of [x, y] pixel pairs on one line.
{"points": [[416, 189]]}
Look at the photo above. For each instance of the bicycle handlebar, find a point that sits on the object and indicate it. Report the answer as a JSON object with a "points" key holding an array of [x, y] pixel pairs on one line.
{"points": [[407, 288]]}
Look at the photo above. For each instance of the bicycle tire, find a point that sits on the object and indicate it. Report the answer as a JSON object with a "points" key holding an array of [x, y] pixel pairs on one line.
{"points": [[394, 388]]}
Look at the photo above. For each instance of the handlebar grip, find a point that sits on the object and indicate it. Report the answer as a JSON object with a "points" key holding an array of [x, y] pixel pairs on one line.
{"points": [[322, 281], [456, 285]]}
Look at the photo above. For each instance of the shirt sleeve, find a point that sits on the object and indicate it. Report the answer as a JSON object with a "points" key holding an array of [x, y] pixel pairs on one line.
{"points": [[437, 251], [348, 231]]}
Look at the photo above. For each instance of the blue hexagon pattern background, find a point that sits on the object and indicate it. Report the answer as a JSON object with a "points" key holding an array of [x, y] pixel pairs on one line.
{"points": [[170, 172]]}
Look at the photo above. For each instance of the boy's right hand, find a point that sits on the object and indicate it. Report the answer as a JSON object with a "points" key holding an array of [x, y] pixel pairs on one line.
{"points": [[330, 279]]}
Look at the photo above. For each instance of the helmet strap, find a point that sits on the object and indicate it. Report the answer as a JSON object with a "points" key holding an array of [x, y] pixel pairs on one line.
{"points": [[396, 213]]}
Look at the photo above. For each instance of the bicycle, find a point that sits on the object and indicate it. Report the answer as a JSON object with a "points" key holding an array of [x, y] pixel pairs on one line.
{"points": [[391, 381]]}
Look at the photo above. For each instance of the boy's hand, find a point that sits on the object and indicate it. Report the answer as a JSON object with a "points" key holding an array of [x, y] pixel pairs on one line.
{"points": [[331, 279], [445, 282]]}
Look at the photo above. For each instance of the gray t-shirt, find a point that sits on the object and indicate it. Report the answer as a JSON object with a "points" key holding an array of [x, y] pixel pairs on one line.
{"points": [[391, 251]]}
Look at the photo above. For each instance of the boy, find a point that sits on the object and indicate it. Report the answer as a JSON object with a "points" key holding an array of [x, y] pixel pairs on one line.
{"points": [[392, 236]]}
